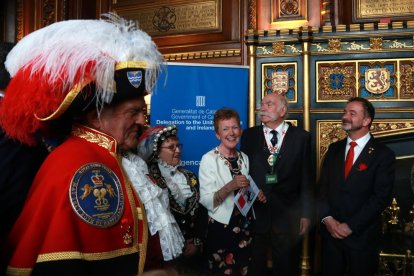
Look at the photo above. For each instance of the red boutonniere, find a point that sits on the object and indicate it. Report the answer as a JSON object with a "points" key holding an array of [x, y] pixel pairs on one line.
{"points": [[362, 167]]}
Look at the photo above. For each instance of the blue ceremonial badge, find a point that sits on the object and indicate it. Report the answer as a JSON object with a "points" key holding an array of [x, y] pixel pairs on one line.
{"points": [[96, 195], [135, 78]]}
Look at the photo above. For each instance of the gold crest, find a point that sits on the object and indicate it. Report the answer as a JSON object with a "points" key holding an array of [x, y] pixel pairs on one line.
{"points": [[377, 81], [280, 82]]}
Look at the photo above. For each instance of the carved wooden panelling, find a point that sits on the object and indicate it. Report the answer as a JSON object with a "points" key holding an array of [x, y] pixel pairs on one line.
{"points": [[336, 81], [329, 131], [376, 80], [280, 78]]}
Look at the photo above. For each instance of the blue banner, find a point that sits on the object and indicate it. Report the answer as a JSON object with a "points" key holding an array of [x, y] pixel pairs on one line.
{"points": [[187, 96]]}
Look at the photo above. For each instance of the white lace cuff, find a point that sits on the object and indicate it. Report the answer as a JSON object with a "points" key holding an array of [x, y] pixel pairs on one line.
{"points": [[156, 205]]}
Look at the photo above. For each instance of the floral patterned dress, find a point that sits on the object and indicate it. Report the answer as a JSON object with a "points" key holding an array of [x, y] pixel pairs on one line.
{"points": [[228, 245]]}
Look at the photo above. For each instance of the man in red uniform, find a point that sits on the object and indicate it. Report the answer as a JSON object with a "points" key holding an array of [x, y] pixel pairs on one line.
{"points": [[88, 77]]}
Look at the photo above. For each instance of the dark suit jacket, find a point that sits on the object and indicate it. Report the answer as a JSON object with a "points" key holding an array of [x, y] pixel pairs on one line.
{"points": [[291, 198], [360, 199], [18, 165]]}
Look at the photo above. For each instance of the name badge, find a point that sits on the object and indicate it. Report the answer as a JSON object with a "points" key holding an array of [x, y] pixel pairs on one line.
{"points": [[271, 179]]}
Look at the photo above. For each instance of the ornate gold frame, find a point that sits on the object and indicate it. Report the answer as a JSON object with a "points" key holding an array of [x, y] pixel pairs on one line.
{"points": [[400, 83], [365, 10], [329, 131], [282, 66], [176, 17], [288, 10]]}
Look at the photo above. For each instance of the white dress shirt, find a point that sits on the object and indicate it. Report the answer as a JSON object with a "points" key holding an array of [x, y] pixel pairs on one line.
{"points": [[361, 142]]}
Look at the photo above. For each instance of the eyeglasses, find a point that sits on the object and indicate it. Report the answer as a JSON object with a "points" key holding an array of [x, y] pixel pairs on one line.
{"points": [[173, 147]]}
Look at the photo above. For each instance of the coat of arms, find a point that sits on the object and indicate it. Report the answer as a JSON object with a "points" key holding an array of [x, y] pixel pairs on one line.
{"points": [[377, 80], [280, 82]]}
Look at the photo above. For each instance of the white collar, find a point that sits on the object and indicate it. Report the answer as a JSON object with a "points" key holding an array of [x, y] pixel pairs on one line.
{"points": [[280, 128], [361, 142]]}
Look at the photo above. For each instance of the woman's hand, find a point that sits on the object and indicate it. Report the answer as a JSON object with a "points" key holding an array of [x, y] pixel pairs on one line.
{"points": [[240, 181], [261, 197]]}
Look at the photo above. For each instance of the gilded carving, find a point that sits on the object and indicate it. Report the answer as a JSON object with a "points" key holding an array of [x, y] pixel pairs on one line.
{"points": [[202, 55], [356, 46], [252, 15], [293, 49], [278, 48], [369, 9], [19, 14], [286, 49], [384, 126], [378, 79], [177, 18], [336, 81], [390, 263], [334, 45], [263, 50], [48, 13], [318, 47], [284, 10], [330, 131], [280, 78], [375, 43], [164, 19], [398, 44], [280, 82], [289, 8], [407, 79]]}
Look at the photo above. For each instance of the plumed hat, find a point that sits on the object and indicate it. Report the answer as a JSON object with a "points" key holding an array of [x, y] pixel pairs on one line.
{"points": [[152, 138], [99, 61]]}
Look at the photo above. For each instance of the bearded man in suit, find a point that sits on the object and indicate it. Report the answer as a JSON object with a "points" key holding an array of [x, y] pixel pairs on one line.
{"points": [[354, 191], [280, 164]]}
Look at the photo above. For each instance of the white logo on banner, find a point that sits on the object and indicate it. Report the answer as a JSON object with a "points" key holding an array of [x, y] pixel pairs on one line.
{"points": [[200, 100]]}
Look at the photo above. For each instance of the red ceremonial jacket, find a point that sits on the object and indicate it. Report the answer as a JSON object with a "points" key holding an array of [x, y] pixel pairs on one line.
{"points": [[82, 215]]}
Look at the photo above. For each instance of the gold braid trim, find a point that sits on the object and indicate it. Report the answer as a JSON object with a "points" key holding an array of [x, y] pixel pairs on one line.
{"points": [[131, 64], [18, 271], [93, 137], [73, 255], [144, 244], [67, 101], [139, 215]]}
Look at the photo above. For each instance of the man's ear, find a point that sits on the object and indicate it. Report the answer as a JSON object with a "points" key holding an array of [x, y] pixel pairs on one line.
{"points": [[91, 117], [283, 111], [366, 121]]}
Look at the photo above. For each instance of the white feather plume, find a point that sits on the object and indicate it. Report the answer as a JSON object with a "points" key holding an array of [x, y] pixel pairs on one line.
{"points": [[68, 46]]}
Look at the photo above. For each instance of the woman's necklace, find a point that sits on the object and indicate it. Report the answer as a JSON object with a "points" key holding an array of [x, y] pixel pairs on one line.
{"points": [[234, 163]]}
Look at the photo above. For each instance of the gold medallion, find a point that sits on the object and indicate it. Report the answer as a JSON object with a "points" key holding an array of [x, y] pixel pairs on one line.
{"points": [[271, 160]]}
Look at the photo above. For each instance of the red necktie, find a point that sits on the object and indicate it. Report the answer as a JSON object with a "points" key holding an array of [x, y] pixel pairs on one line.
{"points": [[349, 158]]}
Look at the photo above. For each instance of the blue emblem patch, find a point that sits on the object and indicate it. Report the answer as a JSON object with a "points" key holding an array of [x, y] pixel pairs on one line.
{"points": [[96, 195], [135, 78]]}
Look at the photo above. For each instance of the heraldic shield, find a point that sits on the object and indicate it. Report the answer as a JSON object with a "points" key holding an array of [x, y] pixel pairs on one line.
{"points": [[377, 80]]}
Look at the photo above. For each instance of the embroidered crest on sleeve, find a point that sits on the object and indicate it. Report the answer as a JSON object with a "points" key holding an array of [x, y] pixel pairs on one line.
{"points": [[96, 195]]}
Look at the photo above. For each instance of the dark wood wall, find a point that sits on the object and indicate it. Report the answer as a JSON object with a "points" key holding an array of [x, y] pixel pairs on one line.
{"points": [[224, 46]]}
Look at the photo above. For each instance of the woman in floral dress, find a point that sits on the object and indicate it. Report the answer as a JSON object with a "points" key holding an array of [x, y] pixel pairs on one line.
{"points": [[223, 171]]}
